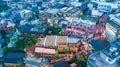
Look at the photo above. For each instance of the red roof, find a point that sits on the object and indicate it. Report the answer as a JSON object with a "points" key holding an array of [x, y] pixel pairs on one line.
{"points": [[44, 50]]}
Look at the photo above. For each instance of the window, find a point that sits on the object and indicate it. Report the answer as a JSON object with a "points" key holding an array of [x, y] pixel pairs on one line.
{"points": [[78, 28], [109, 60], [75, 28], [69, 27]]}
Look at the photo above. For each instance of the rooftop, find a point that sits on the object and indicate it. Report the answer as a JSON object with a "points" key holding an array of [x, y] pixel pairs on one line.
{"points": [[58, 5], [107, 3], [24, 11], [61, 64], [97, 45], [87, 22], [52, 11], [54, 40], [36, 61], [115, 18], [73, 40], [113, 51], [116, 26], [44, 50], [97, 60], [33, 29], [14, 57]]}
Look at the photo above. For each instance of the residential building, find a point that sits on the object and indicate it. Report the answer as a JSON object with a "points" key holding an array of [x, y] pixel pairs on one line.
{"points": [[13, 58], [109, 57], [33, 29], [106, 7], [20, 5], [103, 18], [26, 14], [113, 28], [6, 25], [88, 27], [49, 16], [78, 26], [103, 7], [35, 62]]}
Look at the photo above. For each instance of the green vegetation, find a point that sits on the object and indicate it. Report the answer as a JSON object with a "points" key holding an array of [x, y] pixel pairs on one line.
{"points": [[65, 50], [38, 28], [72, 60], [12, 31], [55, 30], [32, 18], [56, 57], [82, 17], [79, 60], [21, 44]]}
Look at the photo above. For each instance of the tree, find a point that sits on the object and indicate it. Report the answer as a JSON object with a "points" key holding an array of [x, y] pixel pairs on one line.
{"points": [[56, 56]]}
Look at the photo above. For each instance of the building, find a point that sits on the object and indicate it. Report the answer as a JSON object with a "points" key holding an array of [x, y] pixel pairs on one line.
{"points": [[106, 7], [35, 62], [20, 5], [78, 26], [109, 57], [50, 45], [6, 25], [54, 41], [12, 58], [26, 14], [97, 45], [32, 58], [85, 27], [113, 27], [33, 29], [61, 64]]}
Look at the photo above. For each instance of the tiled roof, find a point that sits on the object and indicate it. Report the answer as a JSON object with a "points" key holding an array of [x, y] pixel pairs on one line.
{"points": [[44, 50]]}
